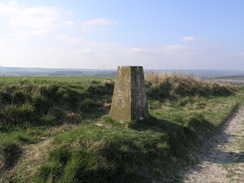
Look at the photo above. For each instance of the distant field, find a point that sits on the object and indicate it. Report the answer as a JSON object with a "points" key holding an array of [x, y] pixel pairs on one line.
{"points": [[233, 80], [240, 77], [236, 81], [73, 80]]}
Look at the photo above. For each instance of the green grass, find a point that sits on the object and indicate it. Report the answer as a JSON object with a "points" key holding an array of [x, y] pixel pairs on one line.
{"points": [[111, 152], [91, 153], [86, 145], [44, 80]]}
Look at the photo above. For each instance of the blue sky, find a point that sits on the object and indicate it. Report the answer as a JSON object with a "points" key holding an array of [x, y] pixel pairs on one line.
{"points": [[157, 34]]}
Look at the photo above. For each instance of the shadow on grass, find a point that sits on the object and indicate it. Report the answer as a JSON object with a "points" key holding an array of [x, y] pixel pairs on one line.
{"points": [[11, 155], [214, 149], [193, 141]]}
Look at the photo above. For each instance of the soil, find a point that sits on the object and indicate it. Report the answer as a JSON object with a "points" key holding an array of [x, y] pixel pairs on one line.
{"points": [[221, 159]]}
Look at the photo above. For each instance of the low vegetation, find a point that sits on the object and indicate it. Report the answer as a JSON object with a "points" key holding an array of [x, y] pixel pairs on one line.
{"points": [[59, 130], [172, 86]]}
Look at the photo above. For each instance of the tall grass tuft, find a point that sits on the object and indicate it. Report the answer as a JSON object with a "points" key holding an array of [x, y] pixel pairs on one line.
{"points": [[97, 154], [171, 86], [51, 103]]}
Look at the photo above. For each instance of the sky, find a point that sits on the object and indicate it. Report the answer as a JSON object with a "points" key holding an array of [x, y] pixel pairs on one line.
{"points": [[104, 34]]}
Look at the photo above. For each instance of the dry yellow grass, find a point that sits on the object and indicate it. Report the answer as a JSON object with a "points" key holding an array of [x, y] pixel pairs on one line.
{"points": [[165, 85]]}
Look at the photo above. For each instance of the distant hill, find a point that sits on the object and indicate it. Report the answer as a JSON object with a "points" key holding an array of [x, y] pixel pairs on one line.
{"points": [[206, 74], [67, 72], [55, 72]]}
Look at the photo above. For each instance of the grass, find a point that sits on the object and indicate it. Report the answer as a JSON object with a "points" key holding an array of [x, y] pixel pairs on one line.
{"points": [[44, 80], [91, 153], [27, 104], [86, 145], [172, 86]]}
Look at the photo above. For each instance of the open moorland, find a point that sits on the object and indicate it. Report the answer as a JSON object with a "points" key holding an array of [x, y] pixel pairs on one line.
{"points": [[58, 129]]}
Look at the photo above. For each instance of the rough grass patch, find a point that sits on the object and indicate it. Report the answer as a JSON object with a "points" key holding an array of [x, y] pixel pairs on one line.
{"points": [[11, 153], [93, 153], [105, 149], [172, 86]]}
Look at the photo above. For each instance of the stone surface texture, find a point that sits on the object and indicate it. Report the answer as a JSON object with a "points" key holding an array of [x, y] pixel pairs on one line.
{"points": [[129, 98]]}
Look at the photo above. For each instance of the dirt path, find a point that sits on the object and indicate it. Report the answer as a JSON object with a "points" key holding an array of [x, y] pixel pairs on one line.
{"points": [[222, 157], [32, 157]]}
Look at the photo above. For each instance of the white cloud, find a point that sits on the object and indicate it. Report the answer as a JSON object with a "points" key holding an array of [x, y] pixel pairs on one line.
{"points": [[23, 22], [139, 50], [21, 33], [36, 17], [69, 39], [105, 47], [68, 23], [86, 51], [12, 3], [109, 55], [171, 56], [175, 48], [98, 22], [51, 50], [9, 9], [188, 39], [90, 24], [32, 21]]}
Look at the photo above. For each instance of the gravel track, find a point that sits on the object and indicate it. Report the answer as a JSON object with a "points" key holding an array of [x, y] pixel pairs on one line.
{"points": [[222, 157]]}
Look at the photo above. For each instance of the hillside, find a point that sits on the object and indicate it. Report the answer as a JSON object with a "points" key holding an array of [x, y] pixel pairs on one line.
{"points": [[59, 130]]}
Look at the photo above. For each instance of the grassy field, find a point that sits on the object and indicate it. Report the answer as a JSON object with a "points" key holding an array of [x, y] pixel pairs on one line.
{"points": [[59, 130], [234, 80], [44, 80]]}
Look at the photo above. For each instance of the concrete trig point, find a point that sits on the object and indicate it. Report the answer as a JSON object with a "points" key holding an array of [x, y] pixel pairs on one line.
{"points": [[129, 98]]}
